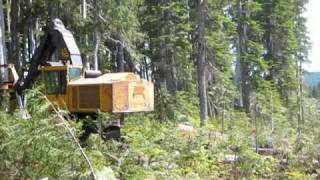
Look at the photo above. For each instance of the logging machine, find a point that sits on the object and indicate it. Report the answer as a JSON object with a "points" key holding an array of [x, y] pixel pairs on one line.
{"points": [[68, 85]]}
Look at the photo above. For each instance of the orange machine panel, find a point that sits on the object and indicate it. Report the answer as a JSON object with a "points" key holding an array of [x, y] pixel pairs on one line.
{"points": [[106, 98], [89, 97], [120, 97], [133, 96], [84, 98]]}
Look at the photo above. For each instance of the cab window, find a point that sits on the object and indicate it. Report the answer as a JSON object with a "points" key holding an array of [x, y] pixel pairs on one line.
{"points": [[55, 82], [74, 73]]}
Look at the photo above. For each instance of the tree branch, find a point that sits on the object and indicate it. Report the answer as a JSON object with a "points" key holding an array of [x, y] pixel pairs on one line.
{"points": [[67, 126]]}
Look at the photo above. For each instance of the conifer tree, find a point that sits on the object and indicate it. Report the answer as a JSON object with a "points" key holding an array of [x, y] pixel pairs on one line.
{"points": [[249, 49]]}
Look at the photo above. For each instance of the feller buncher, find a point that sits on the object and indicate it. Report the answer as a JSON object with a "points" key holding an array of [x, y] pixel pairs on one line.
{"points": [[69, 86]]}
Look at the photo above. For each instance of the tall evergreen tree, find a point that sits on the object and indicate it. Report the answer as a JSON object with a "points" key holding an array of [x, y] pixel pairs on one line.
{"points": [[250, 62], [280, 44], [301, 55], [167, 27]]}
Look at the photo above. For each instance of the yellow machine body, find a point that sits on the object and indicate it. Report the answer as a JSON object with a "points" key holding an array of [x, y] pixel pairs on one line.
{"points": [[112, 92]]}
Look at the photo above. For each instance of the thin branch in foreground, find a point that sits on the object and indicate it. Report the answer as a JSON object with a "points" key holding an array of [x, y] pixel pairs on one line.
{"points": [[67, 126]]}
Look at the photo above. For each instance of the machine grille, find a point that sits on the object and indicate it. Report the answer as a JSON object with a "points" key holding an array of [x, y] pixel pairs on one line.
{"points": [[89, 97]]}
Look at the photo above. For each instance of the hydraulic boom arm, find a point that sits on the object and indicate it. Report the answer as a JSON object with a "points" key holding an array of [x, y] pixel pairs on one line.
{"points": [[56, 38]]}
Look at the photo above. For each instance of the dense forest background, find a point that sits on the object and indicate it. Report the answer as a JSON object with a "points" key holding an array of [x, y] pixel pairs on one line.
{"points": [[230, 69]]}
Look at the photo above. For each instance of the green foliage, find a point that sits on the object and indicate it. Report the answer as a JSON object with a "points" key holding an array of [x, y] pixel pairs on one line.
{"points": [[41, 146], [151, 150], [180, 107], [37, 148]]}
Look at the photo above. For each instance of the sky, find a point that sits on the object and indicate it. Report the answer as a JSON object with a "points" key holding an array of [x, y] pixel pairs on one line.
{"points": [[313, 24]]}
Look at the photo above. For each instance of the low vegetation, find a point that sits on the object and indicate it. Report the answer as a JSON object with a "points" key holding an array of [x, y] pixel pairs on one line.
{"points": [[41, 147]]}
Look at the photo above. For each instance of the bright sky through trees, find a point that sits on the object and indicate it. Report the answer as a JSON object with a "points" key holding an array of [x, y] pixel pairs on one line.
{"points": [[313, 24]]}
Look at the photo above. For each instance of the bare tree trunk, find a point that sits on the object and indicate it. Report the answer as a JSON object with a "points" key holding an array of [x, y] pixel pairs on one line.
{"points": [[162, 67], [146, 66], [162, 78], [129, 61], [120, 52], [25, 55], [8, 18], [15, 48], [36, 38], [83, 12], [31, 37], [256, 135], [271, 113], [237, 77], [3, 57], [26, 26], [201, 78], [96, 37], [173, 71], [300, 96], [84, 9], [28, 34], [223, 117]]}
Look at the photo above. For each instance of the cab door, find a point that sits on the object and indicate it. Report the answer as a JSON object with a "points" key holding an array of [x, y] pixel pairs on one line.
{"points": [[56, 86]]}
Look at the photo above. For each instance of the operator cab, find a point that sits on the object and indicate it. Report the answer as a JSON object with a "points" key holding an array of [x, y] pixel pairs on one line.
{"points": [[56, 78], [64, 64]]}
